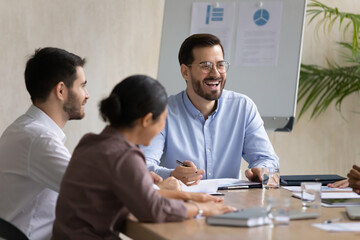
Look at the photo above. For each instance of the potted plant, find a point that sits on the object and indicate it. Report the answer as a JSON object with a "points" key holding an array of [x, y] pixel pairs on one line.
{"points": [[320, 86]]}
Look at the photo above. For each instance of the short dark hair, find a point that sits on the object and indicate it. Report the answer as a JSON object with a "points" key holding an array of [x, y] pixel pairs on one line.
{"points": [[133, 98], [196, 40], [47, 67]]}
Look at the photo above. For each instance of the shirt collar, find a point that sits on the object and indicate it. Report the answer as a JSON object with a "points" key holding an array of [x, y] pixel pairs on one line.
{"points": [[37, 113], [194, 111]]}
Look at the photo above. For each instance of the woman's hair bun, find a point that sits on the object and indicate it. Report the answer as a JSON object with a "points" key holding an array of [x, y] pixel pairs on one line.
{"points": [[110, 108], [133, 98]]}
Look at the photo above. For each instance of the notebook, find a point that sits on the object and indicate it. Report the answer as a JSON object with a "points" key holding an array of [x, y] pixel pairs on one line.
{"points": [[249, 217]]}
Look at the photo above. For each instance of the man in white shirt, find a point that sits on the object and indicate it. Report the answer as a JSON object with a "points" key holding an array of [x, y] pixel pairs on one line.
{"points": [[33, 157]]}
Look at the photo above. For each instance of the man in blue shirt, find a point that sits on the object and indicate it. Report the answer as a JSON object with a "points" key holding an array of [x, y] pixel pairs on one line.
{"points": [[208, 128]]}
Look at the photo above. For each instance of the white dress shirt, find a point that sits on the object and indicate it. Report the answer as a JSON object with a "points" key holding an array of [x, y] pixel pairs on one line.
{"points": [[33, 159]]}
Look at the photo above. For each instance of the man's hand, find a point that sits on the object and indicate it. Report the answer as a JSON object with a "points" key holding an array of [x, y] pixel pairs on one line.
{"points": [[354, 178], [254, 174], [189, 175]]}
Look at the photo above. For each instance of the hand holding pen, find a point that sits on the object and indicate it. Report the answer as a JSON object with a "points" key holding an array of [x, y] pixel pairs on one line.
{"points": [[187, 172]]}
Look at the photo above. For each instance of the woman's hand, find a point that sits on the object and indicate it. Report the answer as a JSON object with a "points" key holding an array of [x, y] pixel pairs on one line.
{"points": [[212, 209], [170, 183], [339, 184], [207, 208]]}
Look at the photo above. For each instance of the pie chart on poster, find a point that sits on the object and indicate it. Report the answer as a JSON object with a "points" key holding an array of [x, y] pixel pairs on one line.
{"points": [[261, 17]]}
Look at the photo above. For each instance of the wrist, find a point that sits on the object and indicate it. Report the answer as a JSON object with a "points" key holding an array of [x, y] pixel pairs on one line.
{"points": [[200, 212], [172, 173], [187, 196]]}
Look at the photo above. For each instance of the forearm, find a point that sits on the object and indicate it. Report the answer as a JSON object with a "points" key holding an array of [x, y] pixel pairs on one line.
{"points": [[175, 194], [159, 170], [190, 196], [192, 209]]}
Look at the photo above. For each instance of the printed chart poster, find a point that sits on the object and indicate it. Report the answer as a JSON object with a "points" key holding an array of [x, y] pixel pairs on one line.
{"points": [[216, 19], [258, 34]]}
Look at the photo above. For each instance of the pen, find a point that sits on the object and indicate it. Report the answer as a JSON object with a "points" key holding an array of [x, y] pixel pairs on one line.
{"points": [[331, 220], [217, 194], [240, 187], [181, 163]]}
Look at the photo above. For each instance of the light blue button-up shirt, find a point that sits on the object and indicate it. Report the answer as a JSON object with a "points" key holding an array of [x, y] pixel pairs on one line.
{"points": [[217, 144]]}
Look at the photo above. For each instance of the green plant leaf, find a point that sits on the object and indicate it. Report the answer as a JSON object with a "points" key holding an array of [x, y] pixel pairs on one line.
{"points": [[319, 87]]}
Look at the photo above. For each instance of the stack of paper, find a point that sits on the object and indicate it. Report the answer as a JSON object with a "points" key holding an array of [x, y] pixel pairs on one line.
{"points": [[339, 227], [323, 189], [332, 195], [336, 199], [212, 185]]}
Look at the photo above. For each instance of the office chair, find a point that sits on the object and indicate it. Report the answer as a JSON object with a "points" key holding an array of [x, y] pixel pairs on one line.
{"points": [[10, 232]]}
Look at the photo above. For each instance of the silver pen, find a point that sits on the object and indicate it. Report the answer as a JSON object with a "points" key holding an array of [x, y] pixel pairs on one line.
{"points": [[331, 220]]}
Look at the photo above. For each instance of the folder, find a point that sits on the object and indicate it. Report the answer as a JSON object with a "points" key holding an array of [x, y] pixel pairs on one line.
{"points": [[249, 217], [295, 180]]}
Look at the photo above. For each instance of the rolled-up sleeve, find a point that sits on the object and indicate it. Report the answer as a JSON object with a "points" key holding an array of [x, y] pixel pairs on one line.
{"points": [[153, 154], [258, 150]]}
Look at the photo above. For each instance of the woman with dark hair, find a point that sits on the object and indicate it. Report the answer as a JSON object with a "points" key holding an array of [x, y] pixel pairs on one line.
{"points": [[107, 177]]}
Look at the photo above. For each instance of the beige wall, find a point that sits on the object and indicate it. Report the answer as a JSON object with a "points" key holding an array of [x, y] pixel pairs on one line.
{"points": [[330, 143], [122, 37], [118, 37]]}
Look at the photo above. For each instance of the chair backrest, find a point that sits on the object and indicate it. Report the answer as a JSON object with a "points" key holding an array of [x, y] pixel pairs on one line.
{"points": [[9, 231]]}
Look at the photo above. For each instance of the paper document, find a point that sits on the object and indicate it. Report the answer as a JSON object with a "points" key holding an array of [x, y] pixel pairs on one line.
{"points": [[258, 33], [228, 183], [339, 227], [217, 19], [209, 186], [323, 189], [332, 195]]}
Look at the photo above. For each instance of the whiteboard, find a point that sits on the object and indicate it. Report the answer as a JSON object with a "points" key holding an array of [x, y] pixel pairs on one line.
{"points": [[272, 88]]}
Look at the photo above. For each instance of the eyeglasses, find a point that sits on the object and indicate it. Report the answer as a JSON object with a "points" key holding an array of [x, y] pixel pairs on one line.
{"points": [[206, 67]]}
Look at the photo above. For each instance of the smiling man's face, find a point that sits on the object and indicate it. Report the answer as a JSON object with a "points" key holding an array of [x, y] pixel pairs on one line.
{"points": [[208, 86]]}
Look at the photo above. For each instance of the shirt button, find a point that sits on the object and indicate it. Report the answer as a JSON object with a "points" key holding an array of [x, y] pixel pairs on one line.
{"points": [[209, 174], [208, 150]]}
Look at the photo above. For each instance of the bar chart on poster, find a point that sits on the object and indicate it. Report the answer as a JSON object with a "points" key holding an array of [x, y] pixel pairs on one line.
{"points": [[262, 40]]}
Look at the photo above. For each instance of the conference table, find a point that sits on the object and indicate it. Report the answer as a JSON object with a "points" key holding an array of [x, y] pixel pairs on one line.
{"points": [[244, 198]]}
